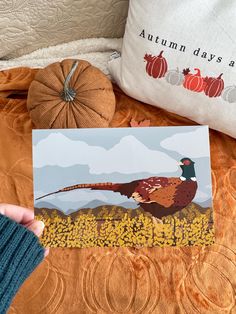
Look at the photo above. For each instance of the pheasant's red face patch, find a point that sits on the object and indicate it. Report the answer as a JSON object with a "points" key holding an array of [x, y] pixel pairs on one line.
{"points": [[186, 162]]}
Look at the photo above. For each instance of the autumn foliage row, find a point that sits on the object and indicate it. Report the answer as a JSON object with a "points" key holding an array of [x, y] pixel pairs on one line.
{"points": [[87, 230]]}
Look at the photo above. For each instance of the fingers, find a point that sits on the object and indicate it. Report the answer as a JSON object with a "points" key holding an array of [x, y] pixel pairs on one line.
{"points": [[17, 213], [36, 227]]}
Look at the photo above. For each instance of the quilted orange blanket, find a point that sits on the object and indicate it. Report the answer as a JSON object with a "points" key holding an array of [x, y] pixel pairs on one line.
{"points": [[121, 280]]}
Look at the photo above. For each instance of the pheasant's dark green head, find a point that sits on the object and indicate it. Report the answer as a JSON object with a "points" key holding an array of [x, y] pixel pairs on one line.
{"points": [[187, 166]]}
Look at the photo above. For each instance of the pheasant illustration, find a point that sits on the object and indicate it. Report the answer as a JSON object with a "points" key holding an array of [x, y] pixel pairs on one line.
{"points": [[160, 196]]}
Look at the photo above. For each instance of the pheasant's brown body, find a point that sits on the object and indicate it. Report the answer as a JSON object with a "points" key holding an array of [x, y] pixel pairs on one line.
{"points": [[160, 196], [172, 198]]}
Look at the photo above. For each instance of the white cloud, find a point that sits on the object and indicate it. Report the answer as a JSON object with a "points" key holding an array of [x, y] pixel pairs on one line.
{"points": [[193, 144], [128, 156]]}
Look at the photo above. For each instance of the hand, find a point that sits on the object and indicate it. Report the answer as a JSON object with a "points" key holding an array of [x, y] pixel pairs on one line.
{"points": [[25, 217]]}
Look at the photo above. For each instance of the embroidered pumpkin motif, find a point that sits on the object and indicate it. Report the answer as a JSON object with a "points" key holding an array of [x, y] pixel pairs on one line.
{"points": [[194, 82], [175, 77], [156, 65], [214, 86], [229, 94]]}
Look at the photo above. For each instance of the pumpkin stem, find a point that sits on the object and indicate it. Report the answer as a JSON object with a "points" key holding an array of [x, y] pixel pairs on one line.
{"points": [[160, 55], [68, 94], [198, 72], [219, 77]]}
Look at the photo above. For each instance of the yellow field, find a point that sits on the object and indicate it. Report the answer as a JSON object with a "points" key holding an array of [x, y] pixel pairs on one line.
{"points": [[116, 228]]}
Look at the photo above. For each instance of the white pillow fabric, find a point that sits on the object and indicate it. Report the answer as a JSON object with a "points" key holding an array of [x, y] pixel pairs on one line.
{"points": [[173, 57]]}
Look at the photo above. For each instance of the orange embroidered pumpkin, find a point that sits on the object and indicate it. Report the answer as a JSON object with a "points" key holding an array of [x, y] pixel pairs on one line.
{"points": [[71, 94], [214, 86], [156, 65], [194, 82]]}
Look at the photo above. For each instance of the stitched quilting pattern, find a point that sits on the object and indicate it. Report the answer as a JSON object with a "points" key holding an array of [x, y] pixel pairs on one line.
{"points": [[28, 25]]}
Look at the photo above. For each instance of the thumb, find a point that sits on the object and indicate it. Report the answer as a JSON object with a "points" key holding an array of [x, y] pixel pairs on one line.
{"points": [[36, 227]]}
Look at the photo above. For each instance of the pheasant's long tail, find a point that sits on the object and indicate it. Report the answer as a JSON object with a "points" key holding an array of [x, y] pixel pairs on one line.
{"points": [[108, 186], [39, 198]]}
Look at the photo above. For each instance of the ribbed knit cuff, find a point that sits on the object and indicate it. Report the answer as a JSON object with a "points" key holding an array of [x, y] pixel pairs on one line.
{"points": [[20, 254]]}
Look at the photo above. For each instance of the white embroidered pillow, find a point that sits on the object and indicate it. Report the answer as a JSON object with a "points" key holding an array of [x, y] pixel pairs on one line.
{"points": [[181, 56]]}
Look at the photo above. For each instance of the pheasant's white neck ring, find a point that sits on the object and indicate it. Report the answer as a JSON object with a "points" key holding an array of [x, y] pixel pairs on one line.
{"points": [[184, 179]]}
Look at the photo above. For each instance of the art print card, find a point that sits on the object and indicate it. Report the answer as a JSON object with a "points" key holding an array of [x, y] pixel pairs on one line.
{"points": [[123, 187]]}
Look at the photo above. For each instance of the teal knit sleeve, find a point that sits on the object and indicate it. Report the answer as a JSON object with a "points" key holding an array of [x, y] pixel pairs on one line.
{"points": [[20, 253]]}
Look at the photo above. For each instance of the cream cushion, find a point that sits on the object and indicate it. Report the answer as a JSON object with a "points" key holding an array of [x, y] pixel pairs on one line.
{"points": [[26, 25]]}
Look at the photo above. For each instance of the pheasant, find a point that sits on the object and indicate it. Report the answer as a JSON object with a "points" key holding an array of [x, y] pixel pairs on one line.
{"points": [[160, 196]]}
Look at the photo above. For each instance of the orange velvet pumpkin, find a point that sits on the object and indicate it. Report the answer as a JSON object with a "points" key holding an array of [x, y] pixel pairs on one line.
{"points": [[71, 94]]}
